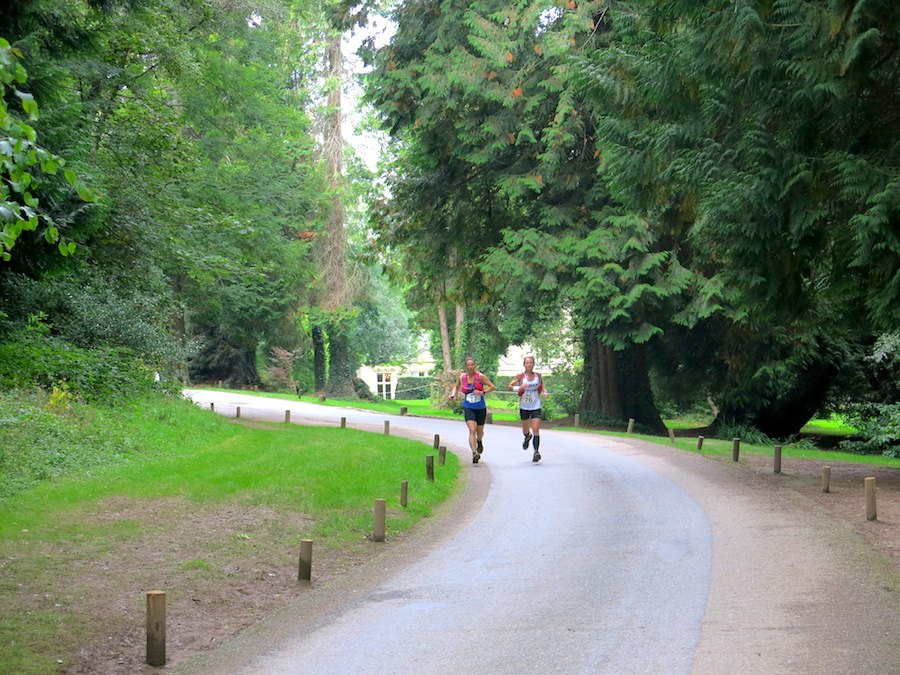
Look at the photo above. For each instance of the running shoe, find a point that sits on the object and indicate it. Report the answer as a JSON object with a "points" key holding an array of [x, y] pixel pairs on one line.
{"points": [[475, 457], [480, 447], [527, 441], [536, 457]]}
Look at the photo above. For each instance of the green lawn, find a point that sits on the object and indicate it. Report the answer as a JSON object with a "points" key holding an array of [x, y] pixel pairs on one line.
{"points": [[175, 474]]}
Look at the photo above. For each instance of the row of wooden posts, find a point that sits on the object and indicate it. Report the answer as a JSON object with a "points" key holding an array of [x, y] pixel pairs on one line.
{"points": [[868, 483], [156, 600]]}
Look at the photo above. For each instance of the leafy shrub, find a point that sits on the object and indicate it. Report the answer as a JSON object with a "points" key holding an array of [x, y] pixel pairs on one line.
{"points": [[91, 312], [34, 358], [565, 393], [746, 434], [413, 388], [594, 418], [38, 443], [878, 425], [441, 384], [279, 371]]}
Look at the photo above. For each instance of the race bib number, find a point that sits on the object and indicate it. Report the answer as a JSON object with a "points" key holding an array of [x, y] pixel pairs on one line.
{"points": [[529, 397], [473, 398]]}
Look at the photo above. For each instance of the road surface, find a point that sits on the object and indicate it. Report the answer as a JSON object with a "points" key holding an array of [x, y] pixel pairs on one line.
{"points": [[607, 556]]}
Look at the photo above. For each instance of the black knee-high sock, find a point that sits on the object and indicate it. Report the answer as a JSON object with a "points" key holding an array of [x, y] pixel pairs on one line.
{"points": [[536, 441]]}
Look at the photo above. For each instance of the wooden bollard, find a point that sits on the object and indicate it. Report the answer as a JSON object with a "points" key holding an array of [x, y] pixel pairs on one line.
{"points": [[304, 573], [735, 449], [577, 420], [403, 410], [343, 423], [156, 628], [437, 441], [404, 492], [237, 412], [826, 479], [321, 399], [776, 466], [699, 442], [387, 427], [630, 424], [287, 416], [380, 520], [429, 467], [489, 419], [672, 436], [442, 455], [871, 512]]}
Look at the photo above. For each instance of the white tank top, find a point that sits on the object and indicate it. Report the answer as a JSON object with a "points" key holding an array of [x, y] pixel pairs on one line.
{"points": [[531, 398]]}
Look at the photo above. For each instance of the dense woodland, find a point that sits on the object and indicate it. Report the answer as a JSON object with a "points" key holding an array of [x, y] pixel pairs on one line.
{"points": [[693, 205]]}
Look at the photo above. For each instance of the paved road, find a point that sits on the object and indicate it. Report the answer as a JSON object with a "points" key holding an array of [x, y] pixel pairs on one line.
{"points": [[598, 559]]}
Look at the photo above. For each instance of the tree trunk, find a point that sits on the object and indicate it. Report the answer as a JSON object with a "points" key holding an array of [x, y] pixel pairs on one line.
{"points": [[334, 276], [786, 415], [319, 373], [460, 350], [340, 375], [617, 386], [445, 337]]}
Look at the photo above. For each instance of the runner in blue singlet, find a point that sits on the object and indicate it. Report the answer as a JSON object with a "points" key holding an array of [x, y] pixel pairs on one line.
{"points": [[473, 385]]}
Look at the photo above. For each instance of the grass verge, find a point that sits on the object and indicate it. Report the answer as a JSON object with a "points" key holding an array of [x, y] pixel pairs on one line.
{"points": [[210, 510]]}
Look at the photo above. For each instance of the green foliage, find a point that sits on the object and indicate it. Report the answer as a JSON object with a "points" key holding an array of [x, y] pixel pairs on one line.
{"points": [[565, 389], [381, 332], [23, 162], [92, 311], [33, 357], [747, 434], [413, 388], [592, 418], [879, 426], [45, 436]]}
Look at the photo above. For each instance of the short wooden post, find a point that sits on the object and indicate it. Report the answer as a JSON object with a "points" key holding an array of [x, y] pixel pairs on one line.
{"points": [[489, 419], [321, 399], [776, 468], [287, 416], [429, 467], [305, 571], [437, 441], [672, 436], [387, 427], [380, 520], [735, 449], [442, 455], [826, 479], [237, 411], [343, 423], [156, 628], [403, 410], [219, 383], [212, 406], [404, 492], [577, 420], [630, 424], [871, 513], [699, 442]]}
